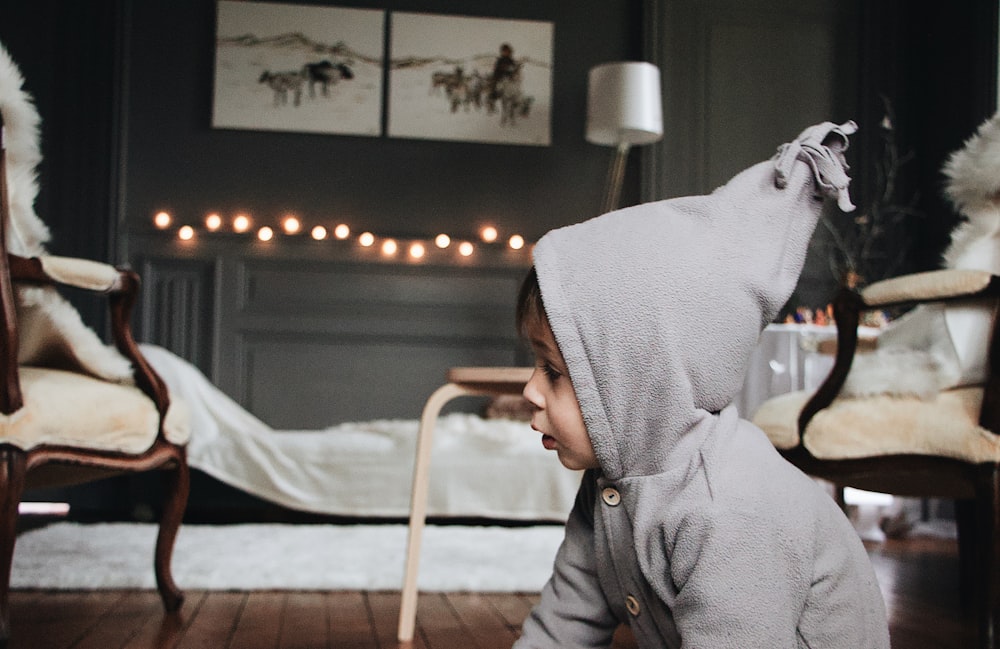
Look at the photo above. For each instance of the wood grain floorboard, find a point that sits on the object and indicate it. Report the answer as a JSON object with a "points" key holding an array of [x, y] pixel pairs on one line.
{"points": [[919, 579]]}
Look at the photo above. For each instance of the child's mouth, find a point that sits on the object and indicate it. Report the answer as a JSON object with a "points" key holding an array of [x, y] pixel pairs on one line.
{"points": [[549, 442]]}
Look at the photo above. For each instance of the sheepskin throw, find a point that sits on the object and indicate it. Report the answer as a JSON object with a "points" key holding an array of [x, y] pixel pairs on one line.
{"points": [[936, 347], [51, 331]]}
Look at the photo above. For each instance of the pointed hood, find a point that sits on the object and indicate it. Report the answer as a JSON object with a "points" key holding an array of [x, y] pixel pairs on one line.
{"points": [[657, 308]]}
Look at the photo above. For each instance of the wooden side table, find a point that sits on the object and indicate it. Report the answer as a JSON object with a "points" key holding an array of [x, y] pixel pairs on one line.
{"points": [[461, 382]]}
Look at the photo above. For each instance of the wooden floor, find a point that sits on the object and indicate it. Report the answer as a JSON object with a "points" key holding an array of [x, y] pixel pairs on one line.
{"points": [[919, 580]]}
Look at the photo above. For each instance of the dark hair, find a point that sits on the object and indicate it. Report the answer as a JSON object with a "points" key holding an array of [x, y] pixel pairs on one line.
{"points": [[530, 308]]}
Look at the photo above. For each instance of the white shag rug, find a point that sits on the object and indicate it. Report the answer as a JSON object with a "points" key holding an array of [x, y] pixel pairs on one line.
{"points": [[287, 557]]}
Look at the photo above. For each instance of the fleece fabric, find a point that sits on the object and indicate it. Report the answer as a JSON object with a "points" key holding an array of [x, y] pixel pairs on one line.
{"points": [[694, 530]]}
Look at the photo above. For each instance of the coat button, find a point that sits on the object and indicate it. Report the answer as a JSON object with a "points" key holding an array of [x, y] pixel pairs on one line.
{"points": [[611, 496], [632, 604]]}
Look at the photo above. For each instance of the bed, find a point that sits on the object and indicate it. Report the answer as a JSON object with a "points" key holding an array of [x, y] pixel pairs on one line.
{"points": [[482, 467]]}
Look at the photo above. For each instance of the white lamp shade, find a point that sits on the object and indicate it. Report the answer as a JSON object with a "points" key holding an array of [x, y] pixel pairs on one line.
{"points": [[623, 104]]}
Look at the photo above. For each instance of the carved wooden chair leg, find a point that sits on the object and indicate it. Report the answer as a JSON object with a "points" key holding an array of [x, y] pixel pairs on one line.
{"points": [[178, 480], [12, 470]]}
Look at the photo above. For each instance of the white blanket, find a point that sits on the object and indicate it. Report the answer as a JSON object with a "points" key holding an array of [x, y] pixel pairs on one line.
{"points": [[480, 467]]}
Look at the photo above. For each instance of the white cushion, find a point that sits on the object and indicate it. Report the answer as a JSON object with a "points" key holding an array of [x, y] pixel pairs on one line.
{"points": [[72, 409], [946, 425]]}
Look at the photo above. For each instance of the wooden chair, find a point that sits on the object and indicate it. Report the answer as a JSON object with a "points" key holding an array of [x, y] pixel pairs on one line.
{"points": [[60, 427], [946, 446]]}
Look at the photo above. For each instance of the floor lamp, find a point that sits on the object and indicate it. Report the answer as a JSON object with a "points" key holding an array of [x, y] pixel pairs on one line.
{"points": [[623, 108]]}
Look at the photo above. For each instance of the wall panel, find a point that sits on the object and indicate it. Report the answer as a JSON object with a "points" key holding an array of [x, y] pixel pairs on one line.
{"points": [[305, 337]]}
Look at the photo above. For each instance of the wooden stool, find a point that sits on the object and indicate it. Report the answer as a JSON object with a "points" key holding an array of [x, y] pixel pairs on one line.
{"points": [[462, 382]]}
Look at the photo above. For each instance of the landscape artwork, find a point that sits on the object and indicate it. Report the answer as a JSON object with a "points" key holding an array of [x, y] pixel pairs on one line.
{"points": [[471, 79], [283, 67]]}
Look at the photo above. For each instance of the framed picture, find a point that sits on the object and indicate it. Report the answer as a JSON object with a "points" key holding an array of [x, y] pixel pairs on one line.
{"points": [[472, 79], [284, 67]]}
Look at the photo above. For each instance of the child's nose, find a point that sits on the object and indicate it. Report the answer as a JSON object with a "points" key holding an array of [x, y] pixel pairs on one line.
{"points": [[531, 393]]}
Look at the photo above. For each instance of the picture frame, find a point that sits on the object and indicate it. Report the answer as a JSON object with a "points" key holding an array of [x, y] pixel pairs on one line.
{"points": [[441, 79], [301, 68]]}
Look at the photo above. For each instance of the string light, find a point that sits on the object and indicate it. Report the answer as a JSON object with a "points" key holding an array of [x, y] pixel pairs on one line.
{"points": [[241, 223], [489, 234], [416, 249]]}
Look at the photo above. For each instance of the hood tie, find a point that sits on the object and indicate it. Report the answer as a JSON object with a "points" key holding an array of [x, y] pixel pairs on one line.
{"points": [[824, 154]]}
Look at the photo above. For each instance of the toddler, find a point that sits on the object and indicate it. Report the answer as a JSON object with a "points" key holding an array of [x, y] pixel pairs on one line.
{"points": [[688, 526]]}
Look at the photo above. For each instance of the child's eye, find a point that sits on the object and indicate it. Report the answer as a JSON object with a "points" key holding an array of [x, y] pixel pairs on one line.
{"points": [[551, 372]]}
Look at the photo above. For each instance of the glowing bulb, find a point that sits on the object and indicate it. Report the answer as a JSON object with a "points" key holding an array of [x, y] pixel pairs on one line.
{"points": [[516, 242], [489, 234], [241, 223], [265, 234], [442, 241], [342, 231], [465, 248], [162, 220], [291, 225], [417, 250], [389, 247], [186, 233], [318, 233], [213, 222], [366, 239]]}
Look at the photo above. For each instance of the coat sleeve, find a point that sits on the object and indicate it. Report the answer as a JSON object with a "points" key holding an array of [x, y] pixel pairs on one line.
{"points": [[742, 582], [573, 611]]}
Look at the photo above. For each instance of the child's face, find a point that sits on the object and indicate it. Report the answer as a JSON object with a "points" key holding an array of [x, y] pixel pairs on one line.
{"points": [[557, 413]]}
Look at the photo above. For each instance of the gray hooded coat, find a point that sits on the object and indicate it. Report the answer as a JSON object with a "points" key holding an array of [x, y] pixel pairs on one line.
{"points": [[694, 531]]}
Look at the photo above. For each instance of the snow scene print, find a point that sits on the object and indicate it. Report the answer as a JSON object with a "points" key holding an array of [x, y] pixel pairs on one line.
{"points": [[283, 67], [471, 79]]}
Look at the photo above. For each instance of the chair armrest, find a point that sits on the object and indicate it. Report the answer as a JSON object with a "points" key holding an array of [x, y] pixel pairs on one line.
{"points": [[847, 308], [924, 287], [120, 285], [85, 274], [934, 286]]}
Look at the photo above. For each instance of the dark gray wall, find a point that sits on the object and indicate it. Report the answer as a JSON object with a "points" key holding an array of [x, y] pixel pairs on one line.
{"points": [[400, 186], [229, 304]]}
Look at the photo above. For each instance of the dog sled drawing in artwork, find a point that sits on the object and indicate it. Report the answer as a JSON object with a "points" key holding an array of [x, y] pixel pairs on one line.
{"points": [[283, 83], [476, 90], [326, 74], [513, 103]]}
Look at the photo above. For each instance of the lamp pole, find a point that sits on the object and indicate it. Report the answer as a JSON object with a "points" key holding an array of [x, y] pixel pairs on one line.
{"points": [[616, 175]]}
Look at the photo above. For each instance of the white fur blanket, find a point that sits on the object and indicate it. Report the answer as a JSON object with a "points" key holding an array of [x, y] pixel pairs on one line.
{"points": [[51, 332], [936, 347]]}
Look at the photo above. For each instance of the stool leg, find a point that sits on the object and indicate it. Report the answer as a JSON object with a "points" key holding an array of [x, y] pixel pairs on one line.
{"points": [[418, 504]]}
